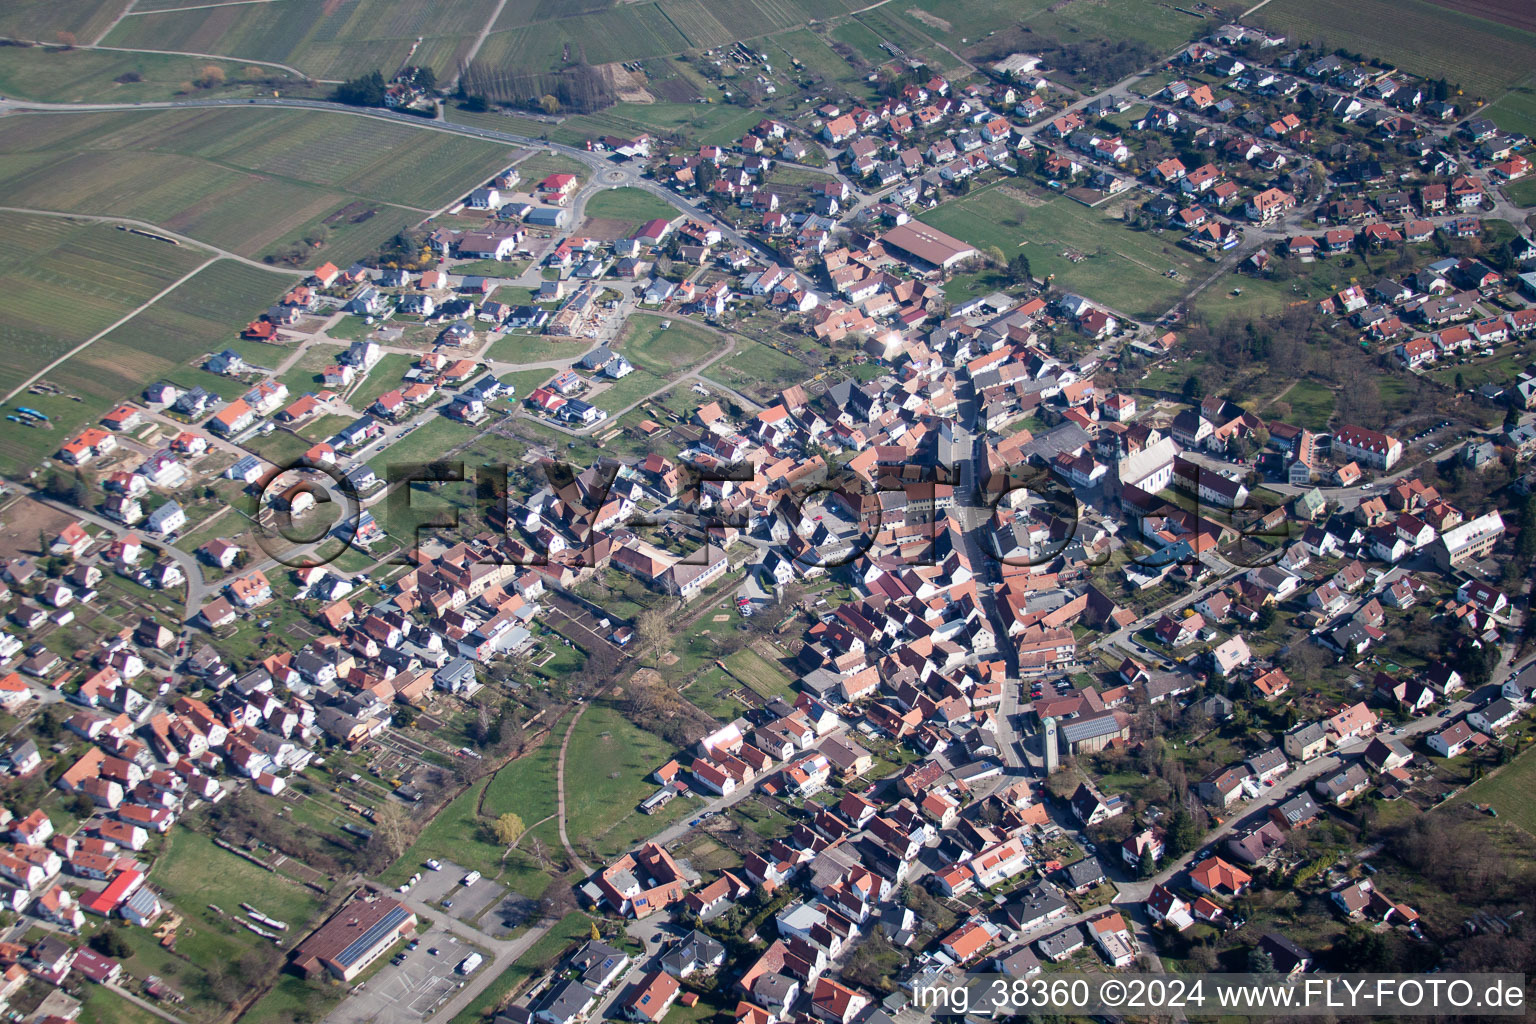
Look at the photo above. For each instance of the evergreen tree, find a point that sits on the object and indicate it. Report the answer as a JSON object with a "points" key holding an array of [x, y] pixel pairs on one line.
{"points": [[363, 91], [1260, 962]]}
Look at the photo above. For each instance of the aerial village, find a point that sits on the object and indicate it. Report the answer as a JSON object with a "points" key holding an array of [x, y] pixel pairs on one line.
{"points": [[1076, 665]]}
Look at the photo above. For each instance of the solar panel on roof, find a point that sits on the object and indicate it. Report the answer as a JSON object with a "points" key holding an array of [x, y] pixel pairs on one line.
{"points": [[366, 941]]}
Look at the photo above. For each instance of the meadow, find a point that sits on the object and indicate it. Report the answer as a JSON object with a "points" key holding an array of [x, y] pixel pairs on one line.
{"points": [[1124, 269], [682, 345], [331, 41], [758, 371], [1508, 791], [254, 180], [65, 281], [1425, 38], [1516, 110], [606, 775]]}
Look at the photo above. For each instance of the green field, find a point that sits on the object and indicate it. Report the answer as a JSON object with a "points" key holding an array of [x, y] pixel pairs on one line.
{"points": [[386, 375], [624, 393], [683, 345], [1516, 110], [529, 348], [759, 371], [761, 674], [1124, 269], [1522, 192], [216, 175], [435, 438], [330, 42], [606, 771], [103, 1006], [1425, 38], [194, 872], [52, 74], [65, 281], [629, 204], [1508, 791], [201, 316], [43, 20], [1311, 405]]}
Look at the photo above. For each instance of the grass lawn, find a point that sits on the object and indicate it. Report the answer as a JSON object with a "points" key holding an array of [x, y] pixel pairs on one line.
{"points": [[629, 204], [1122, 268], [524, 381], [1501, 368], [761, 674], [290, 998], [606, 773], [623, 393], [1523, 191], [540, 164], [1508, 791], [682, 345], [101, 1005], [708, 694], [490, 268], [435, 438], [759, 371], [387, 374], [193, 872], [1311, 405], [534, 348]]}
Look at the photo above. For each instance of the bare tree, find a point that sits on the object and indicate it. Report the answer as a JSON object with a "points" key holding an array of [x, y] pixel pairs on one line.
{"points": [[391, 831], [653, 630]]}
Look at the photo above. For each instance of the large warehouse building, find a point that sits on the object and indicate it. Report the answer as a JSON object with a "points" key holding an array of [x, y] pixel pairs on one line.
{"points": [[355, 936], [926, 244]]}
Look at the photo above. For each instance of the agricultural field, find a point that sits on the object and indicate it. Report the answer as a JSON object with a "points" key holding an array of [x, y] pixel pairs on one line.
{"points": [[1121, 268], [219, 176], [343, 41], [705, 123], [544, 36], [1425, 38], [45, 20], [820, 59], [682, 345], [52, 74], [201, 316], [64, 281], [628, 32], [632, 205]]}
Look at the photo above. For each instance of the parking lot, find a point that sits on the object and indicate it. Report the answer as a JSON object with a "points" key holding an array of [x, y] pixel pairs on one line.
{"points": [[411, 989], [469, 902]]}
